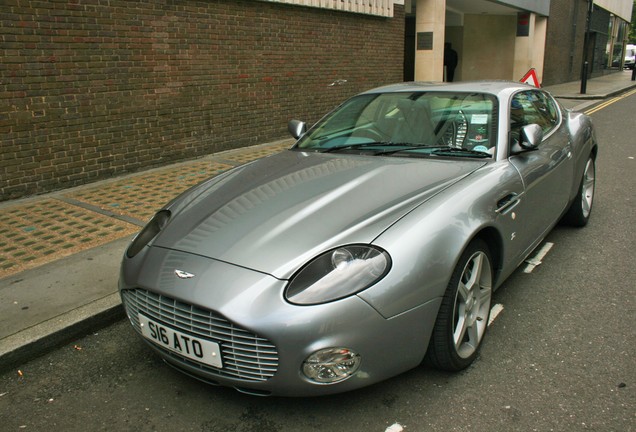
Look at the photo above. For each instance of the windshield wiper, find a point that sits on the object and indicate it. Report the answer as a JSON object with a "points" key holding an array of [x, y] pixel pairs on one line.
{"points": [[458, 151], [368, 144], [405, 147]]}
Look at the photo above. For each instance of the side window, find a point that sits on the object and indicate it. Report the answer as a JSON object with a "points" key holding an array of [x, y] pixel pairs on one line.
{"points": [[532, 106], [552, 111]]}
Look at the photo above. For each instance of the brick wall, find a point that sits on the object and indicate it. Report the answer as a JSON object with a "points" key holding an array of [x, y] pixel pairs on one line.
{"points": [[90, 89]]}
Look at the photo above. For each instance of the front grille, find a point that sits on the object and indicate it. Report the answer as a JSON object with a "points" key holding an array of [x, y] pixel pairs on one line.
{"points": [[245, 355]]}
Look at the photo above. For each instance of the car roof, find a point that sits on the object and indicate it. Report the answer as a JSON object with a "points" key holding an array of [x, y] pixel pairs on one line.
{"points": [[491, 87]]}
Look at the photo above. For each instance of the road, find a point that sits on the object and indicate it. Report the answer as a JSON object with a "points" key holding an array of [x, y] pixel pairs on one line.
{"points": [[559, 356]]}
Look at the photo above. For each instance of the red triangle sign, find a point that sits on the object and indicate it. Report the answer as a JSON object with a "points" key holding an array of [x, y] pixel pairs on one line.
{"points": [[531, 78]]}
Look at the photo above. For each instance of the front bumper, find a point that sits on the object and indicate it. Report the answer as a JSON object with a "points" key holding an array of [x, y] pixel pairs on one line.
{"points": [[264, 340]]}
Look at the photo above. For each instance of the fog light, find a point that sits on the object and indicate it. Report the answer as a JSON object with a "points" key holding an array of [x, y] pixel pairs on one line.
{"points": [[331, 365]]}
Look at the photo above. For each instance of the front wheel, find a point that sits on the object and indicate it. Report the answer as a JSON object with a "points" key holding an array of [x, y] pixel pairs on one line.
{"points": [[463, 315], [579, 212]]}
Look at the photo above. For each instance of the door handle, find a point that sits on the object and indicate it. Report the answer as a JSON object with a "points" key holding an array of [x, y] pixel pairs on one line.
{"points": [[507, 203]]}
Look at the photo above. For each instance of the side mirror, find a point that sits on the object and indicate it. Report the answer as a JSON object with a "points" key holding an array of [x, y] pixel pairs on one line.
{"points": [[296, 128], [530, 137]]}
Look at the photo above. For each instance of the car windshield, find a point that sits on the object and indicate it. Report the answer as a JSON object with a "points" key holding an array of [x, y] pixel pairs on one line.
{"points": [[448, 124]]}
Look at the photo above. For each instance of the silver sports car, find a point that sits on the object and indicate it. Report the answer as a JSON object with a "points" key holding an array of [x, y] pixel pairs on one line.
{"points": [[373, 244]]}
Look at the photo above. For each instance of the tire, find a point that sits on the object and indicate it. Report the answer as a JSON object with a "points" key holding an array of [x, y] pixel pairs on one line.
{"points": [[462, 319], [579, 212]]}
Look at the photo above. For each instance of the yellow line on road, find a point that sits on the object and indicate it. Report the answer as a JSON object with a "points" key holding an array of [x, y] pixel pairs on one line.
{"points": [[609, 102]]}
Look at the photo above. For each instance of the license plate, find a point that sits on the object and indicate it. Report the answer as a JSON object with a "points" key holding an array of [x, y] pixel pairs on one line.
{"points": [[194, 348]]}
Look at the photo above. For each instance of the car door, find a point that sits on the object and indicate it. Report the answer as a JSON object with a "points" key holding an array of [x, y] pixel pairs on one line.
{"points": [[546, 171]]}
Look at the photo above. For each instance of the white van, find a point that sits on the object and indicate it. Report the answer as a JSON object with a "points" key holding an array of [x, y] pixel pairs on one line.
{"points": [[630, 51]]}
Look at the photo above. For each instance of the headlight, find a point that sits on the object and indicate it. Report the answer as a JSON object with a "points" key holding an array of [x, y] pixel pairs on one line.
{"points": [[149, 232], [337, 274], [331, 365]]}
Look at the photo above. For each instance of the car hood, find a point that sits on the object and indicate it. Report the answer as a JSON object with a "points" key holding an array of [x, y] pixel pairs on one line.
{"points": [[275, 214]]}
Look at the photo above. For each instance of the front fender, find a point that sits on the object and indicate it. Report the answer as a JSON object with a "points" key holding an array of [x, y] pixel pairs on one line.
{"points": [[426, 244]]}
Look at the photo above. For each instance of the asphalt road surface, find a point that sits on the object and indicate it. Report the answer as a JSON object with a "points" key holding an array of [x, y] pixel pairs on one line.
{"points": [[559, 357]]}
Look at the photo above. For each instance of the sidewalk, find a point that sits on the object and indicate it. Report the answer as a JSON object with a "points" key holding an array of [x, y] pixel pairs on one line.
{"points": [[596, 88], [60, 252]]}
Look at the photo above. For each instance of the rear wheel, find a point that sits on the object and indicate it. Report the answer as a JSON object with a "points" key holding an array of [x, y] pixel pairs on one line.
{"points": [[579, 212], [463, 315]]}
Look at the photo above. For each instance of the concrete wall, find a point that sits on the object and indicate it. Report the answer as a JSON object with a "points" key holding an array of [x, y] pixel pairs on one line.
{"points": [[430, 19], [538, 51], [94, 89], [537, 6], [488, 48], [530, 50], [622, 8]]}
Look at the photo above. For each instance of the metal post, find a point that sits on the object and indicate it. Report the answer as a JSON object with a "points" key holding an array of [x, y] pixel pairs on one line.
{"points": [[586, 43], [634, 73]]}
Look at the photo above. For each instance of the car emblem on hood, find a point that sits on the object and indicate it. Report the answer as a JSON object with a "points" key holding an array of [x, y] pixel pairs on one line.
{"points": [[183, 274]]}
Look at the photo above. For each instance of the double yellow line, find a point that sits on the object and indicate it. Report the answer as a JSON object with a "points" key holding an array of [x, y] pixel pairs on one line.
{"points": [[609, 102]]}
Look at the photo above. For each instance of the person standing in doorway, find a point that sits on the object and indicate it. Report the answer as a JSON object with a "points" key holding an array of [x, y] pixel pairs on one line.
{"points": [[450, 61]]}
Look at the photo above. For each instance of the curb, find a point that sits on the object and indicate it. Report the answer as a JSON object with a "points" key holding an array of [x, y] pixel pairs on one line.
{"points": [[594, 97], [44, 337]]}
